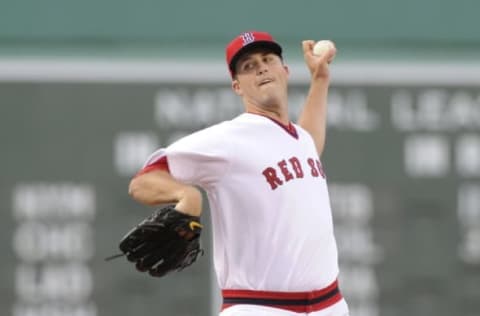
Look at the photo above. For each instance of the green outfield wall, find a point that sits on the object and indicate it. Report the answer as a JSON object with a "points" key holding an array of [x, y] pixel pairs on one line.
{"points": [[402, 161], [362, 29]]}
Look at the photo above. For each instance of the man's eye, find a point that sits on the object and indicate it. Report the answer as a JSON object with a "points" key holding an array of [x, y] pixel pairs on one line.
{"points": [[247, 66]]}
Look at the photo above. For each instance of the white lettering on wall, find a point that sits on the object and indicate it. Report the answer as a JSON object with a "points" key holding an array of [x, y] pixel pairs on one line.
{"points": [[184, 108], [53, 242], [426, 156], [35, 241], [349, 110], [55, 309], [53, 282], [353, 210], [131, 150], [43, 200], [435, 110], [467, 151], [469, 219]]}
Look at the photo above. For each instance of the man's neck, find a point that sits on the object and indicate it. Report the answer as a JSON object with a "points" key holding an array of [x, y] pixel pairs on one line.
{"points": [[275, 113]]}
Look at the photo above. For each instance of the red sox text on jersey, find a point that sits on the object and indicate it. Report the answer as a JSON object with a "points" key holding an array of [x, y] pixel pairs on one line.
{"points": [[291, 169]]}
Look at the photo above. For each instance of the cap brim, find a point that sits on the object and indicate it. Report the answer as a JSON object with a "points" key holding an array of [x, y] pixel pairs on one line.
{"points": [[274, 47]]}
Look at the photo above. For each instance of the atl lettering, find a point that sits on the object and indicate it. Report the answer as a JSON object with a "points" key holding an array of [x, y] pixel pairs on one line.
{"points": [[290, 169]]}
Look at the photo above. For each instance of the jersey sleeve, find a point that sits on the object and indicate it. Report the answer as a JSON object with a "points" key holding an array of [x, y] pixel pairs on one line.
{"points": [[157, 164], [200, 159]]}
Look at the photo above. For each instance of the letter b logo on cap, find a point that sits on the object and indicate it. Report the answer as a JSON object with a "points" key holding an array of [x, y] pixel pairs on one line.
{"points": [[247, 38]]}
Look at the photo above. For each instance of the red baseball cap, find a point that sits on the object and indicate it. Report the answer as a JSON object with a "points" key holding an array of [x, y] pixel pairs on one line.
{"points": [[245, 42]]}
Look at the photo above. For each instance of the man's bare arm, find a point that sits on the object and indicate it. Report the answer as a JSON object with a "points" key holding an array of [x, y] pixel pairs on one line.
{"points": [[313, 117], [159, 187]]}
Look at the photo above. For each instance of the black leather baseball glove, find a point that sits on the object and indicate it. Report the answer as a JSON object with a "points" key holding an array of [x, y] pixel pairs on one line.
{"points": [[165, 241]]}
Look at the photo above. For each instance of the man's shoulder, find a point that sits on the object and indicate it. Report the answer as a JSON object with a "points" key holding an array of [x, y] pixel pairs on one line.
{"points": [[302, 131], [215, 134], [218, 128], [226, 126]]}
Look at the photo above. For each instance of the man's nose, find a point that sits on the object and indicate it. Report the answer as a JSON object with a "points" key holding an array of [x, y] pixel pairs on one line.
{"points": [[262, 68]]}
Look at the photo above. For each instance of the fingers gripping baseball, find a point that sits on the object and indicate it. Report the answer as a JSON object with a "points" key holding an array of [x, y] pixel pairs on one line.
{"points": [[318, 55]]}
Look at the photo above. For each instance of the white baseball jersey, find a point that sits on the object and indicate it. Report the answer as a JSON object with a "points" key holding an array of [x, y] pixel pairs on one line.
{"points": [[272, 222]]}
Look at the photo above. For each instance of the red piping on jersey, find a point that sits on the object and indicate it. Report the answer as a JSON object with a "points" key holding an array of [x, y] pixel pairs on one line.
{"points": [[299, 302], [160, 164], [290, 128]]}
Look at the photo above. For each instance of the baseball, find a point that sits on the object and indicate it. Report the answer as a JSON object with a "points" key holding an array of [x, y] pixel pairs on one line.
{"points": [[321, 47]]}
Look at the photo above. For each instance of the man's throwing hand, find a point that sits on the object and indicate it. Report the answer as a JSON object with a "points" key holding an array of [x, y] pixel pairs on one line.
{"points": [[318, 63]]}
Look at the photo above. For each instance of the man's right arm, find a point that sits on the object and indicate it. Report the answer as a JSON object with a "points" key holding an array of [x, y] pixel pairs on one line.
{"points": [[159, 187]]}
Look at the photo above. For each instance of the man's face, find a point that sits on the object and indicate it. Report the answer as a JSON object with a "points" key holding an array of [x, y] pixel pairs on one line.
{"points": [[261, 78]]}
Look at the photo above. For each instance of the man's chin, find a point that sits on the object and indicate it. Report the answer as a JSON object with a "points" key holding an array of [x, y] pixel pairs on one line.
{"points": [[270, 101]]}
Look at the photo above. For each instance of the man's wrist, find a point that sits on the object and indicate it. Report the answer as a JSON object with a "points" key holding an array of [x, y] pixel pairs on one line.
{"points": [[190, 202]]}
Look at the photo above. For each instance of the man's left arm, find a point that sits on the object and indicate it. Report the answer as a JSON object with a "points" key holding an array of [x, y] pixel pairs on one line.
{"points": [[313, 117]]}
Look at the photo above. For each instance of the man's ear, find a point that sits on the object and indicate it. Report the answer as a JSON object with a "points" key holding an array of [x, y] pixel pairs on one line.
{"points": [[286, 69], [236, 87]]}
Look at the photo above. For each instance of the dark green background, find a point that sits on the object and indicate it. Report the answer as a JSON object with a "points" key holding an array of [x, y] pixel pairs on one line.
{"points": [[59, 132]]}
